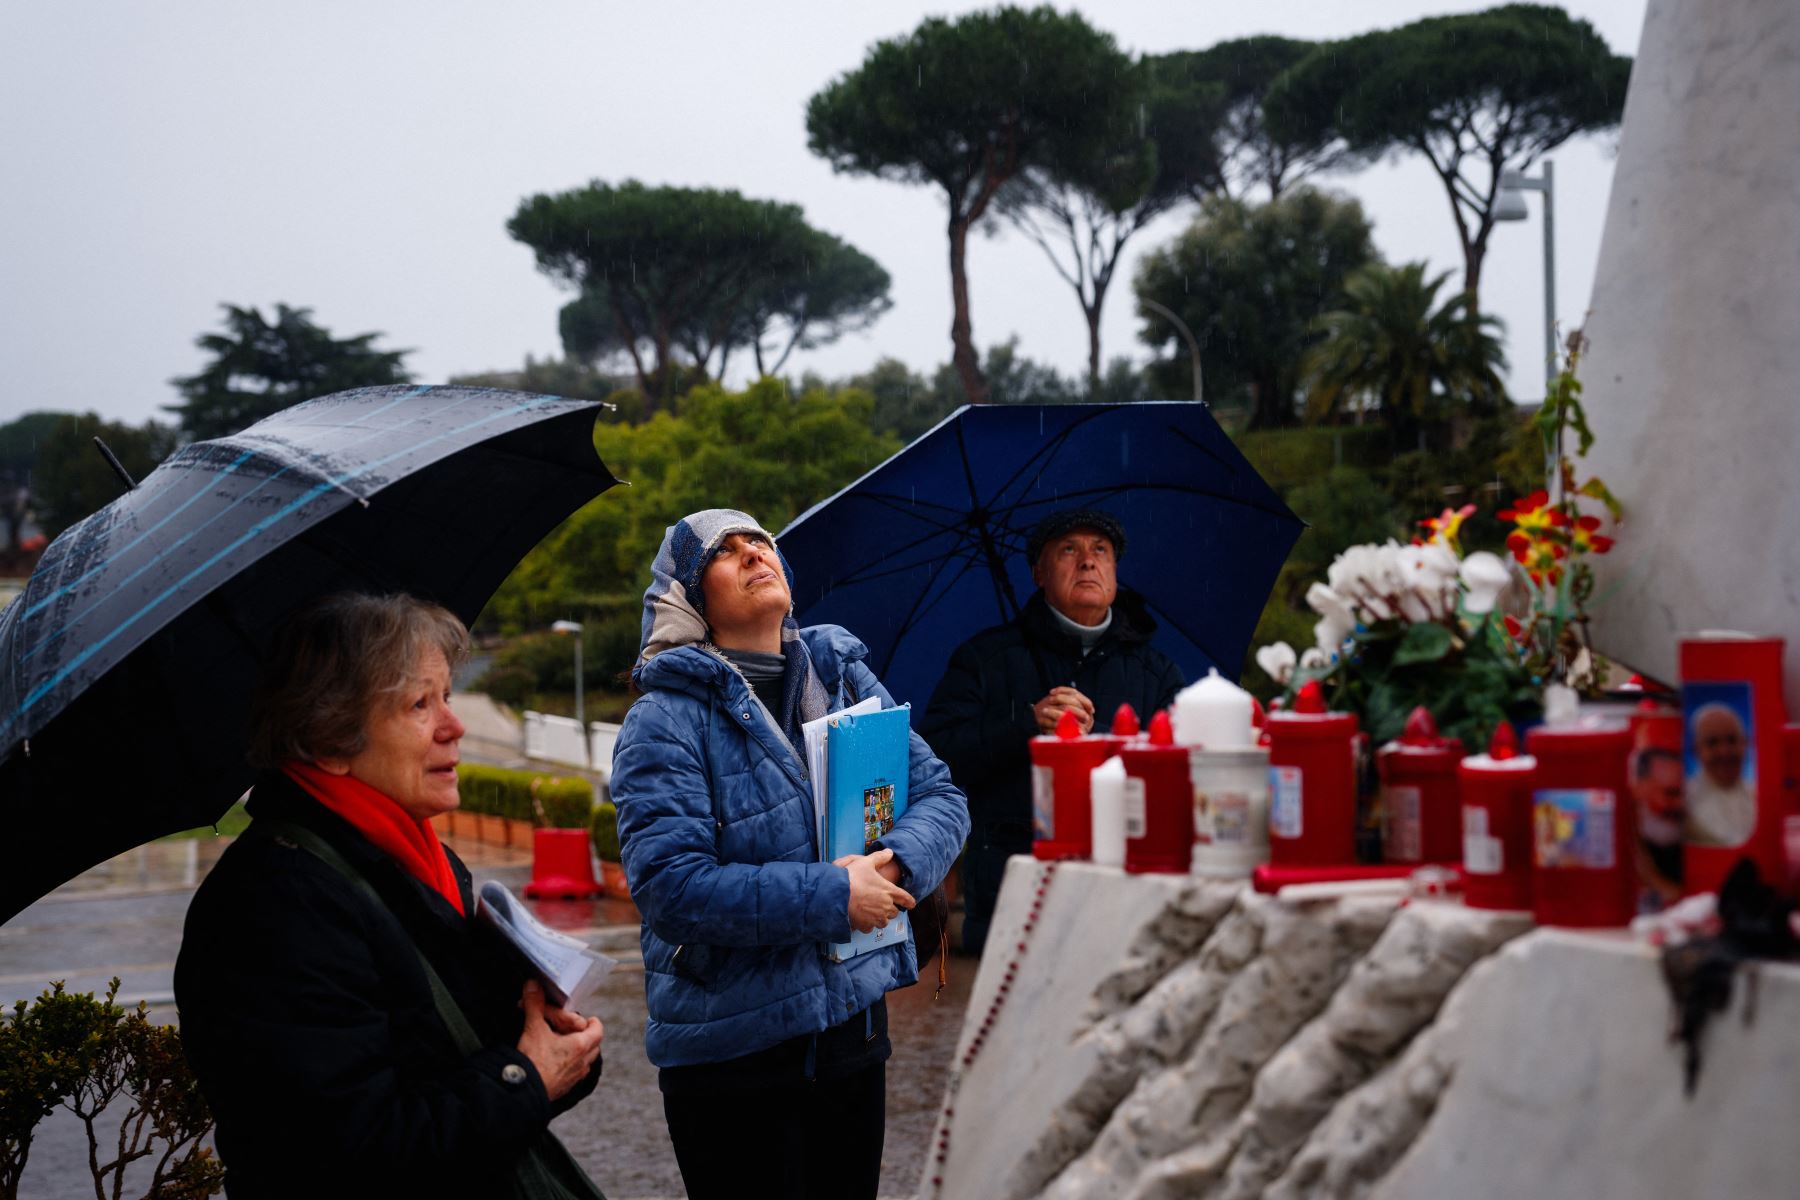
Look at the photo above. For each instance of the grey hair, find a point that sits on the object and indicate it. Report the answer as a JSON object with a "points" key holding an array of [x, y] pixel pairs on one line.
{"points": [[332, 661]]}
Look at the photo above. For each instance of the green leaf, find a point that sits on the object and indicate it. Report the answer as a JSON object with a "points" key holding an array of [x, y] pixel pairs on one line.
{"points": [[1384, 714], [1422, 644], [1599, 491]]}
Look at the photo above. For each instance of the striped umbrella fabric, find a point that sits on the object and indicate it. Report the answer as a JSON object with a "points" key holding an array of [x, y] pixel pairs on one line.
{"points": [[126, 664]]}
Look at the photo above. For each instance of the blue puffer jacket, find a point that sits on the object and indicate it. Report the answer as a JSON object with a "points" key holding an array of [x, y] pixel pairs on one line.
{"points": [[716, 828]]}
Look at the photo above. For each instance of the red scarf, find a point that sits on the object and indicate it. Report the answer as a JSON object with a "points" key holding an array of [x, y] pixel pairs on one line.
{"points": [[411, 843]]}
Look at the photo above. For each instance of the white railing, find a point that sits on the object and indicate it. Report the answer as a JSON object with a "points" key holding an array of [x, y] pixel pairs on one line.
{"points": [[559, 739]]}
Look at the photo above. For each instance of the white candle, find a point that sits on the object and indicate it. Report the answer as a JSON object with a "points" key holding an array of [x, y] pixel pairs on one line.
{"points": [[1214, 714], [1106, 787]]}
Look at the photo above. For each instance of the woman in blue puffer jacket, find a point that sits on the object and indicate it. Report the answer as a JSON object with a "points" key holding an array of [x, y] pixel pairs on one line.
{"points": [[769, 1051]]}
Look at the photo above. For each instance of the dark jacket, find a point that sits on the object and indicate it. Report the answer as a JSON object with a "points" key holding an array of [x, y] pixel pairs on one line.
{"points": [[309, 1022], [980, 719], [720, 842]]}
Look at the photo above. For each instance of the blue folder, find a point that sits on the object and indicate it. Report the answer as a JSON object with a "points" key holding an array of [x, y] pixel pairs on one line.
{"points": [[866, 769]]}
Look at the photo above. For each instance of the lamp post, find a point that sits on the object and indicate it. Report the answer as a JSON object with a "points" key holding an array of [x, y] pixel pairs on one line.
{"points": [[1193, 346], [1511, 207], [574, 627]]}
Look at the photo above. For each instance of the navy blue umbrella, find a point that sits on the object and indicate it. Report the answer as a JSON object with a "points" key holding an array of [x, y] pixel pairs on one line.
{"points": [[126, 664], [929, 547]]}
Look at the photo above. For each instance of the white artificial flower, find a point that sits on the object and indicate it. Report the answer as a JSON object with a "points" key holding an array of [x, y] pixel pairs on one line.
{"points": [[1437, 561], [1413, 606], [1330, 633], [1377, 608], [1277, 661], [1348, 573], [1328, 603], [1313, 659], [1429, 572], [1389, 576], [1485, 576]]}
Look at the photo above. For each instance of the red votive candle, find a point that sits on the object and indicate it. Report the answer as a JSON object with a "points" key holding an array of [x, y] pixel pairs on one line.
{"points": [[1421, 812], [1583, 840], [1312, 783], [1159, 802], [1061, 794], [1732, 715], [1496, 824]]}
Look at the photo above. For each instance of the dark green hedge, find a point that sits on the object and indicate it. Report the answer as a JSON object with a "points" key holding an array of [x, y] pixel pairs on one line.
{"points": [[566, 803], [605, 829]]}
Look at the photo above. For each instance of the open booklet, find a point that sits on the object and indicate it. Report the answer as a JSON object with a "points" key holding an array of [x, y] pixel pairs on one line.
{"points": [[859, 760], [570, 972]]}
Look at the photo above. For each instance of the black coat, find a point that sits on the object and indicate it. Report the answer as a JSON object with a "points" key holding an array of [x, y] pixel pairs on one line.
{"points": [[309, 1022], [980, 719]]}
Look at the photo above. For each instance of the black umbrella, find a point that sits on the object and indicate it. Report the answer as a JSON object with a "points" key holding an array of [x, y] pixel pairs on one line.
{"points": [[928, 547], [126, 663]]}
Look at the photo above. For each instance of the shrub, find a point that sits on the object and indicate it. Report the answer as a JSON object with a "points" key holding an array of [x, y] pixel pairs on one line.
{"points": [[605, 830], [556, 802], [68, 1049]]}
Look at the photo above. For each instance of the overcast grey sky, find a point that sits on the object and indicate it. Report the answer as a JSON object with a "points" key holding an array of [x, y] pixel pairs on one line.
{"points": [[361, 159]]}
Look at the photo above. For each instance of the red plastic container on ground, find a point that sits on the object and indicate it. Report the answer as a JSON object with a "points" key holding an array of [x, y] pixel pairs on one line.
{"points": [[1312, 782], [1421, 804], [1496, 823], [1159, 802], [1583, 835], [1061, 801], [1732, 714], [562, 865]]}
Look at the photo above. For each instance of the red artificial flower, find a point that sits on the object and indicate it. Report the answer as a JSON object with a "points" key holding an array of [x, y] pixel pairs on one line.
{"points": [[1534, 512], [1584, 539], [1447, 524]]}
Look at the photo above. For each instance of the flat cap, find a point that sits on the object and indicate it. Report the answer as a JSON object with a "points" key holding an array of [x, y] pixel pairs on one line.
{"points": [[1057, 524]]}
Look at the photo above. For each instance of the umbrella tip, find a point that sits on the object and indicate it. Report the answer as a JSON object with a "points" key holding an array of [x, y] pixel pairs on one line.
{"points": [[112, 460]]}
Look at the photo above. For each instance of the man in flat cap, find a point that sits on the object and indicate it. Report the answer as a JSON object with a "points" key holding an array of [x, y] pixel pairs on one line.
{"points": [[1080, 645]]}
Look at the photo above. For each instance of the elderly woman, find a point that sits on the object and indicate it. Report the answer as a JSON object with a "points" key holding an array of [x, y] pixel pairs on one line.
{"points": [[353, 1029], [772, 1055]]}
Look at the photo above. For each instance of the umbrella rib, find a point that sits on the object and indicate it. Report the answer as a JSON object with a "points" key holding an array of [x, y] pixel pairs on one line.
{"points": [[1048, 450], [1167, 616], [967, 550], [894, 500], [1185, 489], [1004, 599], [906, 622]]}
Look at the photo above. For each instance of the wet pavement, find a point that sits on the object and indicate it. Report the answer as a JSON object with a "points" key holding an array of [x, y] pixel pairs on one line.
{"points": [[125, 917]]}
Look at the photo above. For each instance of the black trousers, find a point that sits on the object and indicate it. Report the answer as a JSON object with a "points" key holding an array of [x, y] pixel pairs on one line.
{"points": [[799, 1141]]}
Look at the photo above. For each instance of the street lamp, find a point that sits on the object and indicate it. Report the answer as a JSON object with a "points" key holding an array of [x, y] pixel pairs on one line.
{"points": [[1193, 346], [574, 627], [1510, 206]]}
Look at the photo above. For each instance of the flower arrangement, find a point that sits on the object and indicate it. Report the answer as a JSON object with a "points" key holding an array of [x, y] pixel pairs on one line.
{"points": [[1473, 637]]}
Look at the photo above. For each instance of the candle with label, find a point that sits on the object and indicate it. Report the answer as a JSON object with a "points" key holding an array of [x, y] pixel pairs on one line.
{"points": [[1159, 801], [1583, 837], [1062, 823], [1496, 823], [1421, 809], [1312, 780]]}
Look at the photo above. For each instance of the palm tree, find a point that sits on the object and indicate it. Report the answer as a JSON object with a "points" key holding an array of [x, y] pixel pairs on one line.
{"points": [[1392, 350]]}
